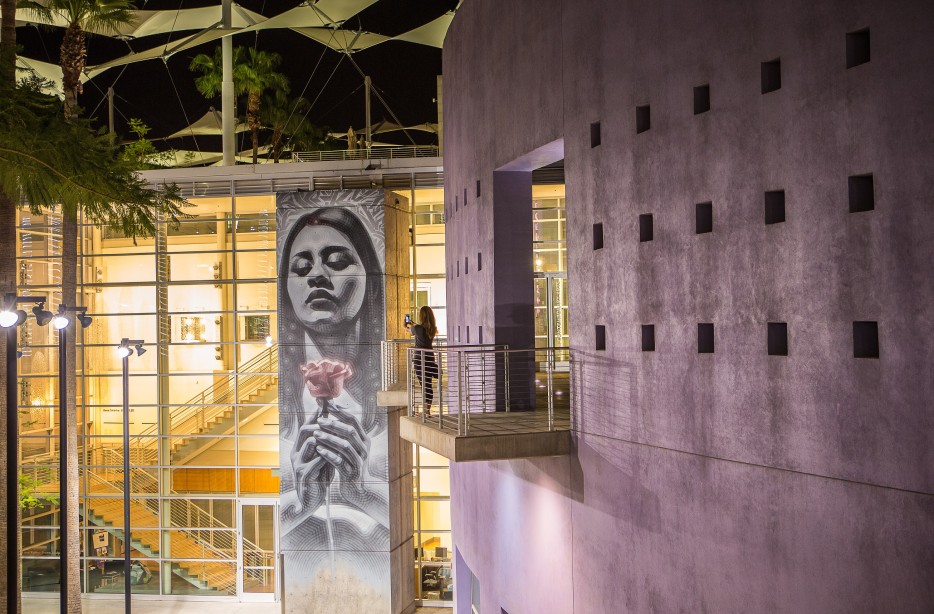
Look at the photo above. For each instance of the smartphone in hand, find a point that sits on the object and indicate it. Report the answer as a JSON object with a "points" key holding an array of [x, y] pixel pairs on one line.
{"points": [[408, 319]]}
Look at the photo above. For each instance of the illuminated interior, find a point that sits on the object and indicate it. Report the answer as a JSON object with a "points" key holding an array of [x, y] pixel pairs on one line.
{"points": [[203, 397]]}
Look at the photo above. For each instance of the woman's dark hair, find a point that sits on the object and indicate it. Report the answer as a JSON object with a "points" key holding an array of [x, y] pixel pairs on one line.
{"points": [[363, 353]]}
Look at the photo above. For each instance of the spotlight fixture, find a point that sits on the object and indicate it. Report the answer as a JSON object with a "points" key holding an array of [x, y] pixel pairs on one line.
{"points": [[124, 350], [43, 315], [61, 320], [82, 316], [10, 318]]}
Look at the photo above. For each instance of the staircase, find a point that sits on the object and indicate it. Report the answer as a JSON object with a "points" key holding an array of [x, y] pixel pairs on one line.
{"points": [[212, 412], [202, 540]]}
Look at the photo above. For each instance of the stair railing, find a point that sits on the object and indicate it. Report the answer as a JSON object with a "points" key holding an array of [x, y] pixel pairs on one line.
{"points": [[203, 408]]}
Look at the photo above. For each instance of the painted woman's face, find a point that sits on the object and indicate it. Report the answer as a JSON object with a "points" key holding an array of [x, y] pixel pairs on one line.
{"points": [[326, 279]]}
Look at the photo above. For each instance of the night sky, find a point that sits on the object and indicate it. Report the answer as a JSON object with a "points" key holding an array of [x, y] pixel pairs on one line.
{"points": [[405, 73]]}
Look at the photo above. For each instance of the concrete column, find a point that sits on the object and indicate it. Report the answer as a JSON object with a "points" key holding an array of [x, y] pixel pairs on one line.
{"points": [[512, 259]]}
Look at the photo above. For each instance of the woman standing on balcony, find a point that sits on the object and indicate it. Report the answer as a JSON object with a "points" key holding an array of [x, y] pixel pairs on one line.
{"points": [[426, 367]]}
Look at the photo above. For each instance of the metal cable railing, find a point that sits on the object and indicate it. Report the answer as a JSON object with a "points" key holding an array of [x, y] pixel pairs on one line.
{"points": [[489, 389], [373, 153], [393, 361]]}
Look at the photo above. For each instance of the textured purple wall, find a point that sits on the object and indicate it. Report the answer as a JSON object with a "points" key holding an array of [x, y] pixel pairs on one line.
{"points": [[733, 481]]}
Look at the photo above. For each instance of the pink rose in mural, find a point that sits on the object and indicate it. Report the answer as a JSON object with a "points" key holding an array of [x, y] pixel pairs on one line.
{"points": [[325, 379]]}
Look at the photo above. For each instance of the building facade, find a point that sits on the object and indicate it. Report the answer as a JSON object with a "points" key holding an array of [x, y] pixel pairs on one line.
{"points": [[748, 249], [204, 397]]}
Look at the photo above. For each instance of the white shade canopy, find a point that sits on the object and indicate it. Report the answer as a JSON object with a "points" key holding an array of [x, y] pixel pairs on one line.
{"points": [[208, 124]]}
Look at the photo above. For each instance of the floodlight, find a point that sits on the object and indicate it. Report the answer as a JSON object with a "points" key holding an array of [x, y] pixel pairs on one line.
{"points": [[43, 315], [60, 321], [123, 351], [84, 318], [140, 350], [10, 318]]}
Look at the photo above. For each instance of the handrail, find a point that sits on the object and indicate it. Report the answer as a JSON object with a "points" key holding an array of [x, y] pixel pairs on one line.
{"points": [[372, 153], [448, 387], [189, 410], [393, 366]]}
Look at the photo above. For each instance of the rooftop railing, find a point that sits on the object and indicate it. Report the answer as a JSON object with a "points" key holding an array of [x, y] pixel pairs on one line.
{"points": [[489, 390], [373, 153]]}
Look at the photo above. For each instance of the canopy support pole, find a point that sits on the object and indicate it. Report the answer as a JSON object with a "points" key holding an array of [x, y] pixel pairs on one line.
{"points": [[367, 84], [228, 110]]}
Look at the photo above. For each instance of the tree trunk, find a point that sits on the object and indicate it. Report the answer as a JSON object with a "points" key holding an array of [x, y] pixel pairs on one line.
{"points": [[69, 298], [276, 145], [73, 55], [7, 284], [252, 112], [8, 43]]}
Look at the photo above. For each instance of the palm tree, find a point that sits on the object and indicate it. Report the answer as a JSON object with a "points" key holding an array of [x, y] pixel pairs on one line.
{"points": [[49, 161], [81, 15], [287, 119], [254, 72]]}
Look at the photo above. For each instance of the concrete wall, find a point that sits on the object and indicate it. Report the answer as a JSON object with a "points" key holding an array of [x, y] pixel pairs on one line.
{"points": [[732, 481]]}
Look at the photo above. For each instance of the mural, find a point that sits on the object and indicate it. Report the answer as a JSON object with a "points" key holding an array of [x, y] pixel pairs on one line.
{"points": [[333, 438]]}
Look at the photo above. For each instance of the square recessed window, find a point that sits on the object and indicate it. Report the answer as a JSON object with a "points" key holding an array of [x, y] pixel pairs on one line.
{"points": [[865, 339], [778, 339], [456, 202], [857, 48], [646, 228], [643, 118], [480, 335], [598, 236], [478, 188], [771, 76], [701, 99], [594, 134], [775, 206], [705, 338], [466, 270], [862, 193], [458, 266], [600, 334], [465, 197], [479, 261], [704, 215], [648, 337], [468, 341]]}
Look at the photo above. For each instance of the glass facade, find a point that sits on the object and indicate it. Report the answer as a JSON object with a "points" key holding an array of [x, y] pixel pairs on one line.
{"points": [[549, 246], [203, 399]]}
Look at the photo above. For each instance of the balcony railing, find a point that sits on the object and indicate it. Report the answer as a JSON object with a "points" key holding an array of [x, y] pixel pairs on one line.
{"points": [[490, 390], [393, 361], [373, 153]]}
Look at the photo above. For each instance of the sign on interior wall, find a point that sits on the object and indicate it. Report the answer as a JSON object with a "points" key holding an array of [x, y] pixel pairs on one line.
{"points": [[333, 438]]}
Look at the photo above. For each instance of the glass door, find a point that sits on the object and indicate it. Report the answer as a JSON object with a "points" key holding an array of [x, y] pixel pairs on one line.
{"points": [[551, 310], [258, 549]]}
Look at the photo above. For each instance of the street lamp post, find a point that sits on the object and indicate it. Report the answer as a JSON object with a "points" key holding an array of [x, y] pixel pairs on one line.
{"points": [[124, 350], [60, 323], [10, 319]]}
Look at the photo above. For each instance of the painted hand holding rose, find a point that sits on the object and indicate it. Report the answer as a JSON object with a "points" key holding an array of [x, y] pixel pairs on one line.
{"points": [[330, 439]]}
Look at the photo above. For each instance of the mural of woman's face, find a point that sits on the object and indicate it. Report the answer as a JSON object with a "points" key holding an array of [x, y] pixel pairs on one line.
{"points": [[326, 279]]}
